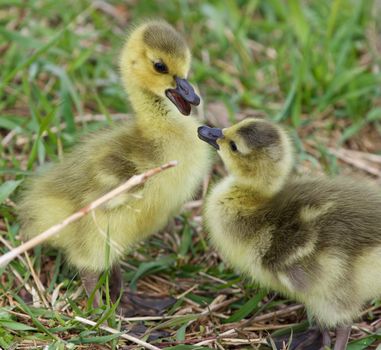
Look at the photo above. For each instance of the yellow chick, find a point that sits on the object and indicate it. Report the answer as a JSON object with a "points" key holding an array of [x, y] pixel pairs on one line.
{"points": [[154, 64], [317, 240]]}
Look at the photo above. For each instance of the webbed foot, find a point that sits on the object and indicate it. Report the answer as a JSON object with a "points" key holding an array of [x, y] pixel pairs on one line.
{"points": [[136, 304], [140, 304], [311, 339]]}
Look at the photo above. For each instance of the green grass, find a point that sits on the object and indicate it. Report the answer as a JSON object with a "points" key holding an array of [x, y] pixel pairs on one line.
{"points": [[312, 65]]}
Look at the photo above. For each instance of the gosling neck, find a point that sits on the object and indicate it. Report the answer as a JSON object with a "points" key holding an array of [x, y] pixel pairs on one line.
{"points": [[265, 187], [150, 109]]}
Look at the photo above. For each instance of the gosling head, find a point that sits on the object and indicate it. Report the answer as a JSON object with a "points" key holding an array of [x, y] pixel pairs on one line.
{"points": [[255, 151], [156, 59]]}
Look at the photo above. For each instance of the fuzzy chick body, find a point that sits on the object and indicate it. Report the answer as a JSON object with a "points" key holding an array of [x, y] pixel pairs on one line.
{"points": [[156, 134], [316, 240]]}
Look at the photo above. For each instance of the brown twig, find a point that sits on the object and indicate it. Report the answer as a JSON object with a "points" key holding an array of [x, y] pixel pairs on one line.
{"points": [[357, 160], [129, 184]]}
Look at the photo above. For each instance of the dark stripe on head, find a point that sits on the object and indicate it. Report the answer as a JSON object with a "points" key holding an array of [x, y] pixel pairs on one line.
{"points": [[163, 37], [259, 134]]}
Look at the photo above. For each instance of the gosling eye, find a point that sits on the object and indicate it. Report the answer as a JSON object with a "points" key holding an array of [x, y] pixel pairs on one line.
{"points": [[233, 146], [160, 67]]}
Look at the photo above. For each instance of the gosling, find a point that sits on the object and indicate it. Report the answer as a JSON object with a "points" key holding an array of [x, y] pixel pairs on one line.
{"points": [[154, 65], [317, 240]]}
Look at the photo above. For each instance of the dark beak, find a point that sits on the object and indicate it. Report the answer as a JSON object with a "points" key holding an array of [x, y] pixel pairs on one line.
{"points": [[183, 96], [210, 135]]}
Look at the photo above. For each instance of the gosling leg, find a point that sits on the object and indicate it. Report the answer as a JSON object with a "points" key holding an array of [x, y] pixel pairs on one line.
{"points": [[116, 282], [326, 338], [89, 281], [342, 336]]}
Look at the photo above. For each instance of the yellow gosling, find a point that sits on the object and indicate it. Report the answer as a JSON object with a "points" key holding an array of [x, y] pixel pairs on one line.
{"points": [[154, 65], [317, 240]]}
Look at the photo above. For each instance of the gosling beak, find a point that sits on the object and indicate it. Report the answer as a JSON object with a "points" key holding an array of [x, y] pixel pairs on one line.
{"points": [[183, 96], [210, 135]]}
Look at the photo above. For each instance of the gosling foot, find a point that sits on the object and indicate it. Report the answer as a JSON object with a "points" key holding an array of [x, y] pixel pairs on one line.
{"points": [[139, 304], [311, 339], [140, 330], [136, 304]]}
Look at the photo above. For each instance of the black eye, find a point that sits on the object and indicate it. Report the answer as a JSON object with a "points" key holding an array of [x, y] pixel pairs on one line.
{"points": [[160, 67], [233, 146]]}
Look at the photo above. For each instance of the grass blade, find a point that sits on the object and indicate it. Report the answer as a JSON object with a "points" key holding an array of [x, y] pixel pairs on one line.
{"points": [[7, 188]]}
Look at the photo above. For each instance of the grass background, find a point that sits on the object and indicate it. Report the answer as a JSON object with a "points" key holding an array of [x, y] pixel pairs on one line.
{"points": [[311, 65]]}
